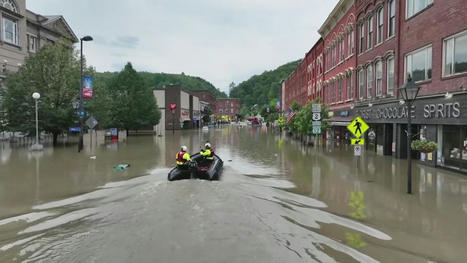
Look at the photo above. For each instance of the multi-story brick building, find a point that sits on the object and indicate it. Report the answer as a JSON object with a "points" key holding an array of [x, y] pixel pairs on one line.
{"points": [[315, 70], [377, 41], [338, 33], [23, 32], [228, 107], [389, 41], [206, 98]]}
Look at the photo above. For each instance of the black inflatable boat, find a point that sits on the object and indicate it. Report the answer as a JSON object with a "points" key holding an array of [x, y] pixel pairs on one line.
{"points": [[198, 168]]}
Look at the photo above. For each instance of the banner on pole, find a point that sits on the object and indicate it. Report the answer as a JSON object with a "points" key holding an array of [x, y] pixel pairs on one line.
{"points": [[88, 87]]}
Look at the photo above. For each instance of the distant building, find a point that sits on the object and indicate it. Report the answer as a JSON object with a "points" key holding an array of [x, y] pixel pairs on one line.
{"points": [[187, 113], [206, 98], [23, 32], [228, 107]]}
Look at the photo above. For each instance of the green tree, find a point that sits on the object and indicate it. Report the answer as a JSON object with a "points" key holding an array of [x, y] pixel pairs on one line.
{"points": [[133, 104], [207, 115], [54, 72], [261, 89]]}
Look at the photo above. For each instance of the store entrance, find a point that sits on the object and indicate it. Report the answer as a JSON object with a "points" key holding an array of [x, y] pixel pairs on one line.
{"points": [[455, 147]]}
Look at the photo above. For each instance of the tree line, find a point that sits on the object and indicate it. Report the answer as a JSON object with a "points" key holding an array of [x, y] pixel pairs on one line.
{"points": [[261, 91], [120, 101]]}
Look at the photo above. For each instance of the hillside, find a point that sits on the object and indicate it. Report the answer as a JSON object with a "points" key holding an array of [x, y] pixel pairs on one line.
{"points": [[157, 80], [261, 89]]}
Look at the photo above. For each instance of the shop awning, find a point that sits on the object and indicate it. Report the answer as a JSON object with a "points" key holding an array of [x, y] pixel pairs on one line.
{"points": [[339, 121]]}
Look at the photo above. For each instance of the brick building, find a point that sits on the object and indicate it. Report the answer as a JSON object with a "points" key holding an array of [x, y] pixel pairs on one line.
{"points": [[370, 48], [228, 107], [206, 98], [187, 114], [338, 33]]}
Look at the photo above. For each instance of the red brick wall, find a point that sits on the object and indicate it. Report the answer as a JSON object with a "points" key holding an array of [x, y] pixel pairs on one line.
{"points": [[431, 26], [388, 47], [230, 107], [341, 68]]}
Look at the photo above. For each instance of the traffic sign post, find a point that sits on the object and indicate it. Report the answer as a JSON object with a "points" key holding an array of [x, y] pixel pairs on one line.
{"points": [[358, 141], [357, 150], [316, 119], [358, 127]]}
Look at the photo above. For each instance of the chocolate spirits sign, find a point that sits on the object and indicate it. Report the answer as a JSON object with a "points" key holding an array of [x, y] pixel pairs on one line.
{"points": [[428, 111]]}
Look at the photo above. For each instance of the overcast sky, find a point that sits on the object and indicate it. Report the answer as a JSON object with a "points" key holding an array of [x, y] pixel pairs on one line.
{"points": [[219, 40]]}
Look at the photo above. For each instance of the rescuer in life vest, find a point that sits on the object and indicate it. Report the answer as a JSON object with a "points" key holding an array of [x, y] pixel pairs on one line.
{"points": [[183, 157], [207, 153]]}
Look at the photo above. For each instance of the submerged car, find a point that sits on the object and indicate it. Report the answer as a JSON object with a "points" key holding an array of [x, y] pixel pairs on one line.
{"points": [[199, 168]]}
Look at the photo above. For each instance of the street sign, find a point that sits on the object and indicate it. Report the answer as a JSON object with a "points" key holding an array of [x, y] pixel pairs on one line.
{"points": [[173, 106], [371, 135], [316, 116], [316, 123], [358, 141], [357, 150], [316, 130], [91, 122], [358, 127], [316, 108], [81, 113], [75, 129]]}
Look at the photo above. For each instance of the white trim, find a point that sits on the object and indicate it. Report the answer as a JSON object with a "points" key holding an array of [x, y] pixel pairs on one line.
{"points": [[443, 59], [417, 51], [427, 3]]}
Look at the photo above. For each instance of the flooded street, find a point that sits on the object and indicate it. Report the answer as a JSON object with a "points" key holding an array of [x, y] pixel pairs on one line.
{"points": [[277, 201]]}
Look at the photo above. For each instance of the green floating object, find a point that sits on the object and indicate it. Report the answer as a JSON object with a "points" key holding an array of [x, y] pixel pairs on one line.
{"points": [[122, 166]]}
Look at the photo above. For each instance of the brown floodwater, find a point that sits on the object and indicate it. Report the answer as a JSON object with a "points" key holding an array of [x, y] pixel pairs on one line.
{"points": [[277, 201]]}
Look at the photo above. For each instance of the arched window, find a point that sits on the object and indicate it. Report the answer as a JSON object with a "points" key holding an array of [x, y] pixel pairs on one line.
{"points": [[8, 4]]}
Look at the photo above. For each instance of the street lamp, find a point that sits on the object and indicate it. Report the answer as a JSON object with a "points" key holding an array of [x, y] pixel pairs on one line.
{"points": [[80, 142], [409, 93], [37, 146]]}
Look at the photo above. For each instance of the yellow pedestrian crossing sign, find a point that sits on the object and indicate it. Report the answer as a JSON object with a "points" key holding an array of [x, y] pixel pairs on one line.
{"points": [[358, 127], [358, 141]]}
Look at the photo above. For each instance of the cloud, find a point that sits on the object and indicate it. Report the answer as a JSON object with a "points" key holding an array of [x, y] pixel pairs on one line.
{"points": [[126, 42], [219, 40]]}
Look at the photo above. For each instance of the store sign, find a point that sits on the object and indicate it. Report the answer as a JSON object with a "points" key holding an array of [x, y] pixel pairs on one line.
{"points": [[427, 111]]}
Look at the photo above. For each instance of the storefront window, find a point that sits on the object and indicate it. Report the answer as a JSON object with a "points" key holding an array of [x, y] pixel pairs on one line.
{"points": [[455, 146]]}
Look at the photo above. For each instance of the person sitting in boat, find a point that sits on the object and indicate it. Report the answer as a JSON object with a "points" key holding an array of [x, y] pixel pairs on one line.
{"points": [[207, 153], [183, 156]]}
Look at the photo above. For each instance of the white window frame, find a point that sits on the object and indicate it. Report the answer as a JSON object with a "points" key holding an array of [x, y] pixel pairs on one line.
{"points": [[428, 60], [369, 80], [389, 88], [453, 38], [411, 2], [379, 78], [361, 83], [370, 24], [35, 40], [380, 25], [15, 33], [13, 8], [391, 14], [361, 37], [340, 89]]}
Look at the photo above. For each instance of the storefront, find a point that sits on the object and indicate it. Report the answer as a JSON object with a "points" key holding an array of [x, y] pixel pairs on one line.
{"points": [[435, 118], [338, 122]]}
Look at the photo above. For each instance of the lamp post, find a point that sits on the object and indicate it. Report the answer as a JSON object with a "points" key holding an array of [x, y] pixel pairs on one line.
{"points": [[37, 146], [80, 142], [409, 93]]}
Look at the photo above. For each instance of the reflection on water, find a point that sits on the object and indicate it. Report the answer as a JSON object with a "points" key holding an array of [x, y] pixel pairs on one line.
{"points": [[310, 199], [356, 202]]}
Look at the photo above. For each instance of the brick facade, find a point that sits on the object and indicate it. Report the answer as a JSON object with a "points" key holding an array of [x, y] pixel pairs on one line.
{"points": [[228, 107]]}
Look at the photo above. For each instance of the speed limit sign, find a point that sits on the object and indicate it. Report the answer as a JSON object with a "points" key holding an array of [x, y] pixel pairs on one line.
{"points": [[316, 116]]}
